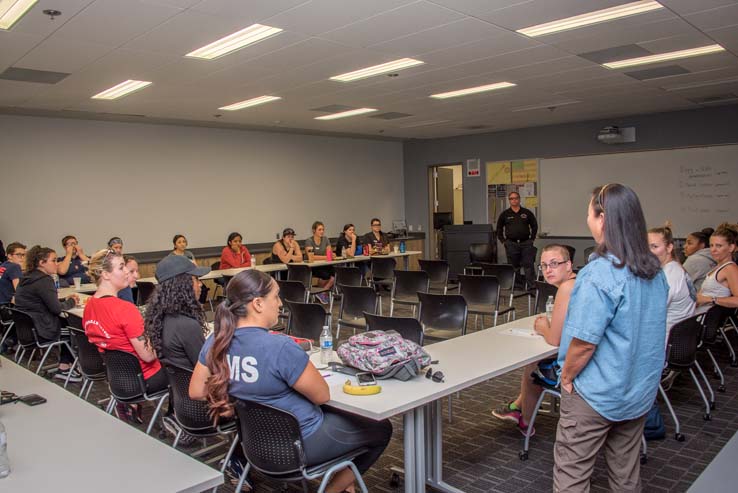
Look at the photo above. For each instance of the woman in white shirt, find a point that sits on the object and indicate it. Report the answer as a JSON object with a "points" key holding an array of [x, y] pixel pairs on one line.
{"points": [[681, 300]]}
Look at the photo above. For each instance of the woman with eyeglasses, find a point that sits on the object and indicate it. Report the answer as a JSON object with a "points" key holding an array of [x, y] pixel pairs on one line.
{"points": [[274, 370], [37, 296], [11, 271], [612, 347], [377, 240], [557, 270]]}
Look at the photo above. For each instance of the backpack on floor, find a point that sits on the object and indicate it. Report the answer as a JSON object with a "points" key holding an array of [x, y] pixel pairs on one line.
{"points": [[384, 354]]}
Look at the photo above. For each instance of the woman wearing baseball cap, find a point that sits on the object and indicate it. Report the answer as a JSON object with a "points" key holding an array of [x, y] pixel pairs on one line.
{"points": [[287, 249]]}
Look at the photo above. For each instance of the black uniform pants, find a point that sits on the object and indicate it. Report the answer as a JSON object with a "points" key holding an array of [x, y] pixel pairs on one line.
{"points": [[522, 254]]}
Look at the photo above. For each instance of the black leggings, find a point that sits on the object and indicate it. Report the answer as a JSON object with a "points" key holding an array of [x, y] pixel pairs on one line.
{"points": [[156, 382], [341, 433]]}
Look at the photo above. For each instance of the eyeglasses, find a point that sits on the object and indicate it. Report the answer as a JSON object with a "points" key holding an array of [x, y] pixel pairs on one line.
{"points": [[21, 255], [553, 264], [513, 198], [376, 224]]}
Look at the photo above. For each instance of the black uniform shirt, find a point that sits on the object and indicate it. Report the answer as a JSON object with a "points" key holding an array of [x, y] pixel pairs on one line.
{"points": [[517, 226]]}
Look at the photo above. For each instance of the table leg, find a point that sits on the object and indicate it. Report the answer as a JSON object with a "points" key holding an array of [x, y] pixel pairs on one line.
{"points": [[435, 467], [408, 420], [406, 259], [419, 472]]}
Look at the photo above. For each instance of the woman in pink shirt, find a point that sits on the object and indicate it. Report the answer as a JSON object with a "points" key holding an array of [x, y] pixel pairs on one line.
{"points": [[235, 255]]}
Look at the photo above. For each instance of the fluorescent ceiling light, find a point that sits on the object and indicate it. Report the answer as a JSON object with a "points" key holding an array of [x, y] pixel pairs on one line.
{"points": [[473, 90], [424, 123], [384, 68], [12, 10], [550, 106], [662, 57], [694, 85], [122, 89], [595, 17], [235, 41], [249, 102], [345, 114]]}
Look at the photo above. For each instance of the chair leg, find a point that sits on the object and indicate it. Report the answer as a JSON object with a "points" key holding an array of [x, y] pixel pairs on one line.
{"points": [[155, 415], [677, 434], [524, 453], [338, 330], [111, 405], [227, 458], [7, 333], [71, 369], [707, 383], [706, 416], [241, 479], [644, 449], [43, 358], [494, 322], [89, 388], [85, 381], [176, 438], [717, 369], [22, 352], [733, 360], [392, 307]]}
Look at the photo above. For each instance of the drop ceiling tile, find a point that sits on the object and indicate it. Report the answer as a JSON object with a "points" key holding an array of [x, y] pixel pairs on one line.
{"points": [[113, 22], [13, 93], [715, 18], [727, 37], [181, 4], [676, 43], [36, 22], [319, 16], [683, 7], [477, 7], [249, 11], [61, 55], [480, 49], [411, 18], [15, 45]]}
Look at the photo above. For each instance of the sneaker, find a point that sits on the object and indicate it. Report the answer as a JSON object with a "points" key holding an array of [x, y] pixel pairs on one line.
{"points": [[667, 379], [523, 428], [504, 413], [63, 374], [323, 298]]}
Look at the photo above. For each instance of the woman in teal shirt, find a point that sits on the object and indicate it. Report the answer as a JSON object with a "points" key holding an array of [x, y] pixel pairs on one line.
{"points": [[612, 347]]}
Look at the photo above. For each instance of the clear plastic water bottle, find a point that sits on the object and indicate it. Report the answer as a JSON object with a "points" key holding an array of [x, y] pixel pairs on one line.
{"points": [[55, 277], [549, 308], [4, 461], [326, 345]]}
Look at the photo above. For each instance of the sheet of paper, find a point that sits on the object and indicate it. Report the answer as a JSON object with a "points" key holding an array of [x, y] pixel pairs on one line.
{"points": [[520, 332]]}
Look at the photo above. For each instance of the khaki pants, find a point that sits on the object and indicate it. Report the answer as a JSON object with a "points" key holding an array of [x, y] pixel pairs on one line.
{"points": [[580, 435]]}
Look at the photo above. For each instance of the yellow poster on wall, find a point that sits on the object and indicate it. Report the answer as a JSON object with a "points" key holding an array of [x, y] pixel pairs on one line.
{"points": [[518, 172], [499, 173], [531, 170]]}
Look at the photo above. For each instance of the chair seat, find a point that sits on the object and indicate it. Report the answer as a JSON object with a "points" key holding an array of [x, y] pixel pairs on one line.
{"points": [[319, 469], [316, 290], [227, 427], [359, 323], [142, 398], [481, 308], [408, 299], [440, 334]]}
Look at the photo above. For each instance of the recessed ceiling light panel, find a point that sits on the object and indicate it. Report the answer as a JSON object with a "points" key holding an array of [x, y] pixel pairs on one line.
{"points": [[473, 90], [384, 68], [346, 114], [249, 102], [590, 18], [12, 10], [235, 41], [663, 57], [122, 89]]}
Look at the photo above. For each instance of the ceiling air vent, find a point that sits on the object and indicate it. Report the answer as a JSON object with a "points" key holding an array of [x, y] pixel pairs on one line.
{"points": [[657, 73], [617, 53], [717, 99], [390, 116], [333, 108], [29, 75]]}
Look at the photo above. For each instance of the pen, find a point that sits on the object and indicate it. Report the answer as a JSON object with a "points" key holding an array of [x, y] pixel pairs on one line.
{"points": [[325, 375]]}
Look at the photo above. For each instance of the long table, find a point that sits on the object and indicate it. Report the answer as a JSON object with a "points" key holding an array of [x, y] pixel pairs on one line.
{"points": [[465, 361], [216, 274], [70, 445]]}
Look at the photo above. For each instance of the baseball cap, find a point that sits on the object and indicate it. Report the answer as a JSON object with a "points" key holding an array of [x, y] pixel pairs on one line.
{"points": [[288, 232], [174, 265]]}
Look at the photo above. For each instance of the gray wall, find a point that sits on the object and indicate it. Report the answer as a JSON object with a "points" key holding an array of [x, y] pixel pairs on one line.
{"points": [[700, 127]]}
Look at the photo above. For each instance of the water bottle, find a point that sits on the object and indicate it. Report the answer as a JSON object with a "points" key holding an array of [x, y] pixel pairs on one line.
{"points": [[55, 277], [549, 308], [402, 246], [326, 345], [4, 461], [329, 254], [253, 261]]}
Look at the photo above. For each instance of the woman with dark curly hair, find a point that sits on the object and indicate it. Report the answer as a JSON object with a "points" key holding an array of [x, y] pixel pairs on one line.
{"points": [[175, 320]]}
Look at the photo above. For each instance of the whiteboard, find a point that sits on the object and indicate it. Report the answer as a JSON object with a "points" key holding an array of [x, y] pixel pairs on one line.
{"points": [[692, 187]]}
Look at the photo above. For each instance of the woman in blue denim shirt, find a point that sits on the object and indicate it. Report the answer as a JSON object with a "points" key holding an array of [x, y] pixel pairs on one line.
{"points": [[612, 347]]}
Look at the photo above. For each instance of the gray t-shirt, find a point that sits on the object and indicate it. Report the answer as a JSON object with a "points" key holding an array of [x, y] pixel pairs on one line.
{"points": [[181, 341], [318, 249]]}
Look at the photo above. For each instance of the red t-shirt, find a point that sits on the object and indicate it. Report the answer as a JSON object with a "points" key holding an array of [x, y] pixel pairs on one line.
{"points": [[110, 323], [232, 260]]}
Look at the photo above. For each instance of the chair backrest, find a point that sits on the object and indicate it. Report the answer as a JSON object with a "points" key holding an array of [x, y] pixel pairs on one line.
{"points": [[382, 267], [25, 330], [543, 291], [481, 252], [6, 316], [89, 359], [307, 320], [226, 280], [587, 252], [347, 276], [714, 318], [684, 338], [437, 270], [270, 438], [215, 265], [409, 328], [479, 290], [191, 414], [410, 282], [145, 290], [356, 300], [572, 251], [292, 291], [505, 274], [302, 273], [125, 376], [442, 312]]}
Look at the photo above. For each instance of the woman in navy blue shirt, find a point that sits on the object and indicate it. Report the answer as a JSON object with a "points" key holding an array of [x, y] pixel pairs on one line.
{"points": [[274, 370]]}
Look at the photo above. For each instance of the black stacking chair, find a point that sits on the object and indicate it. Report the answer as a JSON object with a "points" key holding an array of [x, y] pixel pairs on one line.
{"points": [[407, 285], [272, 443], [304, 274], [291, 291], [191, 416], [382, 272], [307, 320], [6, 322], [356, 300], [442, 315], [145, 290], [437, 272], [220, 282], [127, 385], [506, 275], [88, 360], [681, 354], [345, 276], [587, 252], [482, 252], [482, 295], [25, 330], [409, 328], [713, 322], [572, 251], [543, 290]]}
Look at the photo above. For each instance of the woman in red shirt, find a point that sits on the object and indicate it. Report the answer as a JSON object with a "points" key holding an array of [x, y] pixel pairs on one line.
{"points": [[235, 255], [115, 324]]}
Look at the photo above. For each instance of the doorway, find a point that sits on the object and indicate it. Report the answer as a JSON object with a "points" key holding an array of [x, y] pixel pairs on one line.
{"points": [[446, 207]]}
